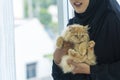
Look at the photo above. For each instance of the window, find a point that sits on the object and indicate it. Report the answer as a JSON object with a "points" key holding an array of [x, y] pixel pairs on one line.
{"points": [[31, 70]]}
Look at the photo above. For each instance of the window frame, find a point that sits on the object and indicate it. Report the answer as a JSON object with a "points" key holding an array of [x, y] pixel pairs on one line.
{"points": [[7, 53], [62, 13]]}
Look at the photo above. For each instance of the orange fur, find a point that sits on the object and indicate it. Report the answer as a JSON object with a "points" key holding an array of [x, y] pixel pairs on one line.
{"points": [[83, 50]]}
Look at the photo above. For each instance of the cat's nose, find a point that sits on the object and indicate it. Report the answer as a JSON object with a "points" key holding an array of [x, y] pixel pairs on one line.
{"points": [[82, 35], [76, 35]]}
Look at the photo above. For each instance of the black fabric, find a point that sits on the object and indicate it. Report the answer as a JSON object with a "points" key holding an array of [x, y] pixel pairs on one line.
{"points": [[115, 7], [95, 10], [103, 18]]}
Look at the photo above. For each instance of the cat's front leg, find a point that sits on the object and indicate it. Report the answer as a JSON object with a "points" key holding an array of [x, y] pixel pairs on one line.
{"points": [[60, 42]]}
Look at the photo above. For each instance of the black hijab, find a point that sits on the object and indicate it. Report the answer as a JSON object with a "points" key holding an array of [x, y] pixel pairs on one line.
{"points": [[103, 18], [92, 11], [95, 10]]}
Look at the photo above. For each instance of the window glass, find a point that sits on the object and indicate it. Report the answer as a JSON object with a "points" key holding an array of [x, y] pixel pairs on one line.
{"points": [[31, 70]]}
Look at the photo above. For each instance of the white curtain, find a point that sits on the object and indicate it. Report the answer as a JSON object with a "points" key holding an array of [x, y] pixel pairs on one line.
{"points": [[7, 56]]}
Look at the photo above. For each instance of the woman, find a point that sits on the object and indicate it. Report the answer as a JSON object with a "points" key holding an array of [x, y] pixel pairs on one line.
{"points": [[103, 18]]}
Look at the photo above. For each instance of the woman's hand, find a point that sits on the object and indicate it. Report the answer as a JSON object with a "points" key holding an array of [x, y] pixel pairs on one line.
{"points": [[81, 68], [61, 52]]}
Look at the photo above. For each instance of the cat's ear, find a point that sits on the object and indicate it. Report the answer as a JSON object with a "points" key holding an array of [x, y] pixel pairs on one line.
{"points": [[86, 27], [70, 28]]}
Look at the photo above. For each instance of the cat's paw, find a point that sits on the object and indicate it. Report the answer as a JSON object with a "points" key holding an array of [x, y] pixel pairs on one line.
{"points": [[59, 42], [91, 43], [71, 52]]}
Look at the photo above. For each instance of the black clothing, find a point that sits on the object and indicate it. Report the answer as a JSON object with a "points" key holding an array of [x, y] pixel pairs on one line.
{"points": [[103, 18]]}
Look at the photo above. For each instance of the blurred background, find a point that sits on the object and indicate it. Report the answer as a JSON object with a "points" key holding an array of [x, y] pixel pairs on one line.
{"points": [[36, 28]]}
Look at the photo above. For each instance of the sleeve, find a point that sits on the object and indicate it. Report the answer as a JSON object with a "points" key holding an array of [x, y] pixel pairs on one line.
{"points": [[106, 71], [57, 74], [110, 71]]}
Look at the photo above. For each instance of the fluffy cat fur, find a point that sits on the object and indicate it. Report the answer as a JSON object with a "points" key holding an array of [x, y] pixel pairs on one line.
{"points": [[83, 50]]}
